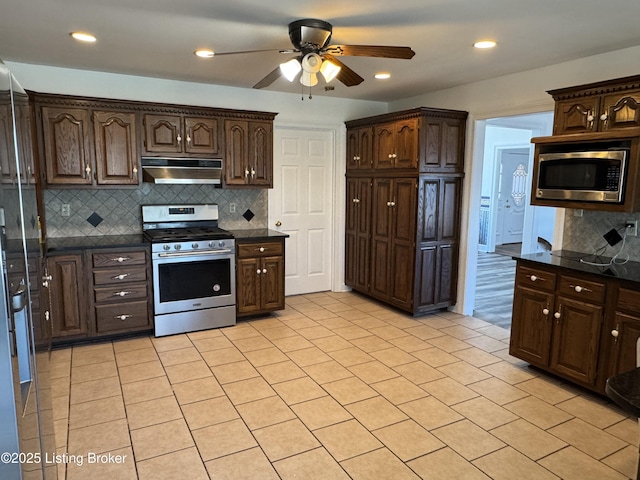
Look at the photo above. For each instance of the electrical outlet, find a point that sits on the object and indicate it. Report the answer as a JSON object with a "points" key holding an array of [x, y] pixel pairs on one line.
{"points": [[65, 210], [631, 228], [232, 208]]}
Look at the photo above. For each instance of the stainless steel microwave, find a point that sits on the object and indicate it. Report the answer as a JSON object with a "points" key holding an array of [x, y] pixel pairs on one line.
{"points": [[588, 176]]}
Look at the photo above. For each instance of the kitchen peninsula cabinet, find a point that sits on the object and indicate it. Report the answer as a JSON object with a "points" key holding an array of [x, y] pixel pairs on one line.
{"points": [[181, 135], [260, 278], [574, 320], [403, 212], [597, 107], [249, 153]]}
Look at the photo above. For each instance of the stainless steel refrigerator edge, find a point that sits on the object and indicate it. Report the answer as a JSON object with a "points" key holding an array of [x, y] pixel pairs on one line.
{"points": [[26, 420]]}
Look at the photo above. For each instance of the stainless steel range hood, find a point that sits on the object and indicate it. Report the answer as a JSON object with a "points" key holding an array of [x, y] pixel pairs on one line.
{"points": [[182, 171]]}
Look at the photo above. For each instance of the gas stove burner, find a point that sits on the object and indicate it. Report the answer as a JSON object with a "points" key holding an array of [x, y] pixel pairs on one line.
{"points": [[185, 234]]}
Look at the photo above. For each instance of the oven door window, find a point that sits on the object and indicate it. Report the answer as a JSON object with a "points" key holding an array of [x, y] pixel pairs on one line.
{"points": [[193, 280]]}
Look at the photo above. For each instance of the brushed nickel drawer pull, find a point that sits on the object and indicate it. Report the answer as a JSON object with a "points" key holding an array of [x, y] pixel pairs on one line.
{"points": [[120, 259], [122, 317], [121, 294], [122, 276]]}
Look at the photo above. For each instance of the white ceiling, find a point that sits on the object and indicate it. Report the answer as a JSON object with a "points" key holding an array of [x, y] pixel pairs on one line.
{"points": [[156, 38]]}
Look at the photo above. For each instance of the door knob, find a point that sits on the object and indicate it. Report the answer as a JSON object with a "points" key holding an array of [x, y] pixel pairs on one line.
{"points": [[278, 223]]}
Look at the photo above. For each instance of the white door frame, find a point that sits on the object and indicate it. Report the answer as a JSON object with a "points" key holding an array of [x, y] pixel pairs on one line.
{"points": [[338, 195], [474, 155]]}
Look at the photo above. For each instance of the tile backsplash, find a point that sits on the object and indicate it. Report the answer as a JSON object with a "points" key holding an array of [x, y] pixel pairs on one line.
{"points": [[584, 234], [118, 212]]}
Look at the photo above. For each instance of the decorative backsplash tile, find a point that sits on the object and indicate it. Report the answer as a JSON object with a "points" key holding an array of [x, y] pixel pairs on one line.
{"points": [[584, 234], [119, 212]]}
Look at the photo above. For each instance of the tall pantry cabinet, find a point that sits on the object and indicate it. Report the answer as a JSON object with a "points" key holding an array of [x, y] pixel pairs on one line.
{"points": [[404, 180]]}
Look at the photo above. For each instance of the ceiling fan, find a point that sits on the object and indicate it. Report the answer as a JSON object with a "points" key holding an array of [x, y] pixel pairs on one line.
{"points": [[310, 38]]}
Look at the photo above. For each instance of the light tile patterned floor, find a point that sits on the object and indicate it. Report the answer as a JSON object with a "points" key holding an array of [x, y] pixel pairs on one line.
{"points": [[334, 387]]}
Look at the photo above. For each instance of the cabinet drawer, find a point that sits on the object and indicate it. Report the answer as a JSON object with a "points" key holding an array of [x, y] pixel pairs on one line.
{"points": [[121, 316], [120, 293], [119, 258], [260, 249], [582, 289], [539, 279], [120, 275], [629, 300]]}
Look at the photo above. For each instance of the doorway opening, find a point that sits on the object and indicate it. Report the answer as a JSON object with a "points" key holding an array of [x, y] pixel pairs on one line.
{"points": [[508, 224]]}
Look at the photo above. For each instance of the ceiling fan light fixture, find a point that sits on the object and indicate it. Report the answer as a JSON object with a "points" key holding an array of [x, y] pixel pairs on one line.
{"points": [[308, 79], [290, 69], [382, 75], [329, 70], [311, 63]]}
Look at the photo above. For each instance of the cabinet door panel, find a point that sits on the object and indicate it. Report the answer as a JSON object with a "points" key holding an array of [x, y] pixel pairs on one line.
{"points": [[380, 237], [531, 327], [406, 144], [162, 133], [117, 154], [67, 295], [428, 206], [352, 149], [261, 154], [447, 263], [201, 135], [428, 276], [450, 209], [237, 152], [272, 283], [624, 350], [351, 232], [402, 267], [573, 116], [575, 339], [248, 293], [383, 146], [622, 111], [67, 145], [365, 148]]}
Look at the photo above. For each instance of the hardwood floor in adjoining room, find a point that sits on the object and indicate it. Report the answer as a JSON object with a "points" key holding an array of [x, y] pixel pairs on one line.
{"points": [[495, 278]]}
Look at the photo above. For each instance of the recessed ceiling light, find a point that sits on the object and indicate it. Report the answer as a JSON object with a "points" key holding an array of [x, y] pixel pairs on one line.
{"points": [[485, 44], [204, 53], [382, 75], [83, 36]]}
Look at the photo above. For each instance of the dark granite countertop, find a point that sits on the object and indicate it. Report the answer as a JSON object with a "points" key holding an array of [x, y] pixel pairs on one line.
{"points": [[624, 390], [629, 271], [257, 234], [58, 246]]}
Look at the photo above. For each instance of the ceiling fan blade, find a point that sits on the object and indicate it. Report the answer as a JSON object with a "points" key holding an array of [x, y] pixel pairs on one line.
{"points": [[269, 79], [371, 51], [346, 75], [216, 54]]}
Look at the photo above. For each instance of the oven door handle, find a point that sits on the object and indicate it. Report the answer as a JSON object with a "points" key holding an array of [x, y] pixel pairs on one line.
{"points": [[195, 253]]}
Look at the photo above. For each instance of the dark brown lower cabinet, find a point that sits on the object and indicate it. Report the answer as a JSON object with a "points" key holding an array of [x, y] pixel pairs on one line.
{"points": [[580, 326], [100, 292], [67, 296], [260, 276]]}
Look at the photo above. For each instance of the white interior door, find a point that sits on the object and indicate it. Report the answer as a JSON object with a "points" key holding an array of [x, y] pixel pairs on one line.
{"points": [[300, 204]]}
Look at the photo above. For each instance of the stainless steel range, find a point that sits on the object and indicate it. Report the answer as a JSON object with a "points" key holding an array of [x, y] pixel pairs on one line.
{"points": [[194, 272]]}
